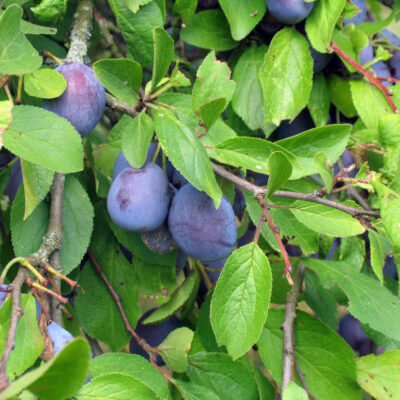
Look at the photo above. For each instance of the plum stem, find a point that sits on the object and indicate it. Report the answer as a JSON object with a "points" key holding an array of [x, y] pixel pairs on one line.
{"points": [[371, 79]]}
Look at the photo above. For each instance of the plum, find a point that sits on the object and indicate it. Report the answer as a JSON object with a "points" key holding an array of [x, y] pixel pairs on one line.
{"points": [[360, 17], [178, 180], [199, 229], [394, 63], [59, 336], [351, 331], [3, 293], [239, 203], [121, 162], [303, 122], [83, 101], [153, 334], [138, 199], [366, 54], [289, 11], [247, 237], [14, 181], [218, 265], [383, 71], [321, 60]]}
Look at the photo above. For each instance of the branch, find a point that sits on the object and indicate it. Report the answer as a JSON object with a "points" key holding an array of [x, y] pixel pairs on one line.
{"points": [[118, 105], [80, 32], [289, 339], [372, 80], [313, 197], [140, 341]]}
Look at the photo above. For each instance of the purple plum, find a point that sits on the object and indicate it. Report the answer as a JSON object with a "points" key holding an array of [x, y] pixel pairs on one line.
{"points": [[138, 199], [351, 331], [83, 101], [360, 17], [14, 181], [3, 294], [289, 11], [59, 336], [178, 180], [199, 229]]}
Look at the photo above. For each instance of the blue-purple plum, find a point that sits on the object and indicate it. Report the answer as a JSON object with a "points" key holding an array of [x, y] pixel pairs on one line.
{"points": [[383, 71], [3, 293], [199, 229], [321, 60], [159, 240], [83, 101], [121, 162], [393, 38], [289, 11], [360, 17], [347, 160], [351, 331], [390, 268], [178, 180], [246, 238], [59, 336], [138, 199], [303, 122], [217, 265], [366, 54], [394, 63], [14, 181], [154, 335], [239, 204]]}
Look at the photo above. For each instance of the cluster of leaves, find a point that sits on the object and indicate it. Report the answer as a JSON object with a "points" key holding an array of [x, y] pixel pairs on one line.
{"points": [[212, 87]]}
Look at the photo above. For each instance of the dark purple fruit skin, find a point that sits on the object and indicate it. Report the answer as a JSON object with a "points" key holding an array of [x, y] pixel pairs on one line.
{"points": [[3, 293], [321, 60], [359, 18], [214, 275], [239, 203], [198, 228], [379, 67], [178, 180], [83, 101], [121, 162], [59, 336], [138, 199], [289, 11], [351, 332], [303, 122], [153, 334], [14, 181]]}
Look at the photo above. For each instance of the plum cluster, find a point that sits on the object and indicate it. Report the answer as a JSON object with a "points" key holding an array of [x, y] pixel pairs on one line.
{"points": [[141, 200]]}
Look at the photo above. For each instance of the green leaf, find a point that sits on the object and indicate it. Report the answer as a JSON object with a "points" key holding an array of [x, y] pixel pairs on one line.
{"points": [[369, 302], [377, 254], [37, 182], [340, 95], [32, 29], [321, 22], [286, 76], [130, 364], [17, 55], [163, 54], [369, 102], [45, 83], [137, 28], [28, 339], [209, 30], [330, 139], [136, 139], [210, 112], [227, 379], [247, 100], [178, 299], [134, 5], [6, 107], [325, 359], [27, 234], [213, 81], [240, 301], [77, 224], [389, 203], [319, 102], [116, 386], [324, 167], [379, 375], [294, 392], [44, 138], [187, 154], [186, 9], [191, 391], [121, 77], [326, 220], [175, 347], [50, 11], [280, 170], [59, 378], [243, 16]]}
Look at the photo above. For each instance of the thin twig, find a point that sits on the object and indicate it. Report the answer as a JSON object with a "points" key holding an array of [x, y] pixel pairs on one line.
{"points": [[313, 197], [140, 341], [289, 339], [371, 79], [118, 105]]}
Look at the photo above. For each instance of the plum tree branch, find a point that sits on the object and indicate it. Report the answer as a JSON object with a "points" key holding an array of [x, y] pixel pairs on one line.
{"points": [[289, 338], [312, 197], [118, 105]]}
